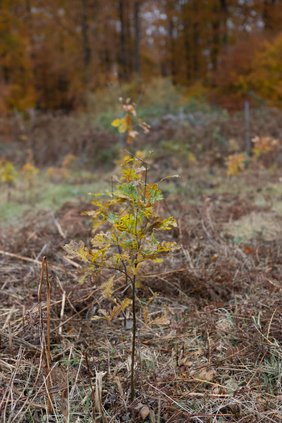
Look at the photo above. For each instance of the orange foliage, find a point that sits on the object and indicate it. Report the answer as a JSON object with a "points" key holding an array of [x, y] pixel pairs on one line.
{"points": [[16, 70], [264, 145], [251, 69], [235, 164], [53, 55], [266, 76], [232, 80]]}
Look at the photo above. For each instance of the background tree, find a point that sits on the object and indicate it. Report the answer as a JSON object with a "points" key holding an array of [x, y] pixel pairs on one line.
{"points": [[54, 53]]}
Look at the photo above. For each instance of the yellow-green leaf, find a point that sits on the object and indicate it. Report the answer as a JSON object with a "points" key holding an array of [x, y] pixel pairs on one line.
{"points": [[116, 123], [122, 127]]}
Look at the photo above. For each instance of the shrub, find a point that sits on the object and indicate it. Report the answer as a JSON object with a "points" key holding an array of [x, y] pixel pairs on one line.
{"points": [[29, 172], [235, 164], [8, 176], [263, 146], [57, 174], [68, 161], [8, 173]]}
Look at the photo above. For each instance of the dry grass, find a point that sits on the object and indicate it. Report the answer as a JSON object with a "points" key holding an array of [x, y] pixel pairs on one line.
{"points": [[209, 348]]}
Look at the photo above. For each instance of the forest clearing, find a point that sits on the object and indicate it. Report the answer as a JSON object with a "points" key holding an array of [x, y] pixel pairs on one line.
{"points": [[208, 317], [140, 211]]}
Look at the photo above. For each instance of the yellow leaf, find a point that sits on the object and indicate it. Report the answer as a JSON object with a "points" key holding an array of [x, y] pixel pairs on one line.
{"points": [[107, 288], [120, 307], [115, 123], [96, 318], [122, 127], [192, 158], [235, 164], [138, 284], [158, 260]]}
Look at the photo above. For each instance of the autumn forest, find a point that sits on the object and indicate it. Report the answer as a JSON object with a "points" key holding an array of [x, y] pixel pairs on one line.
{"points": [[54, 52]]}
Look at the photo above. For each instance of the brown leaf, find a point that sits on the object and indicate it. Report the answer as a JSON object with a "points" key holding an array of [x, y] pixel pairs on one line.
{"points": [[161, 321], [206, 375], [144, 412]]}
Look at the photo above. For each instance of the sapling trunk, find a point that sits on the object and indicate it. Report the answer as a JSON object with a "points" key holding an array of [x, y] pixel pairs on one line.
{"points": [[133, 345], [134, 326]]}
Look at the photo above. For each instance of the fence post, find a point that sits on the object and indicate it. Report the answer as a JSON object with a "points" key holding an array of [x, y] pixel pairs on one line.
{"points": [[248, 144]]}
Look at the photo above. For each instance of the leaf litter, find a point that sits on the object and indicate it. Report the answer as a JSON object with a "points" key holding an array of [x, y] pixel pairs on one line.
{"points": [[209, 341]]}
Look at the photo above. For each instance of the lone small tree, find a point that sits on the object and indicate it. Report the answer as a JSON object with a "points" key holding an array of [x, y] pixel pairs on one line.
{"points": [[125, 225]]}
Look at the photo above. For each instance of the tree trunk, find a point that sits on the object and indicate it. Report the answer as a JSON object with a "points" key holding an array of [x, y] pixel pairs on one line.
{"points": [[122, 59], [170, 41], [137, 36], [195, 40], [268, 14], [216, 39], [196, 66], [224, 16], [85, 40], [186, 24]]}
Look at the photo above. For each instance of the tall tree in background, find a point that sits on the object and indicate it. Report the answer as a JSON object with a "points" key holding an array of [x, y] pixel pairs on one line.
{"points": [[16, 78], [54, 52], [172, 18], [272, 15], [122, 57], [137, 36], [85, 39], [224, 19]]}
